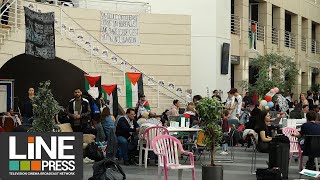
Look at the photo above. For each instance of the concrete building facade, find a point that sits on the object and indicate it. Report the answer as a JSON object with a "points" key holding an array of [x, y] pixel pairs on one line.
{"points": [[286, 27]]}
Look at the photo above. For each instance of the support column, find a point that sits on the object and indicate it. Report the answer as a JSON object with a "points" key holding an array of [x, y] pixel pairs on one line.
{"points": [[307, 31], [241, 72], [265, 18], [279, 23], [306, 81], [296, 28]]}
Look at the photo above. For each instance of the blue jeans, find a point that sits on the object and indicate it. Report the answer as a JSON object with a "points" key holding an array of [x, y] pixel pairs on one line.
{"points": [[225, 147], [123, 145]]}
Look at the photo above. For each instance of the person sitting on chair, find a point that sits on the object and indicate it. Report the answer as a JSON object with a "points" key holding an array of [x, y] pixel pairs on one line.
{"points": [[264, 135], [126, 128], [309, 128]]}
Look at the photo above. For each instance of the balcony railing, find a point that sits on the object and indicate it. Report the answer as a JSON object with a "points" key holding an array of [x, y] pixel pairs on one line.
{"points": [[235, 24], [260, 29], [290, 39], [315, 46], [303, 43], [275, 35]]}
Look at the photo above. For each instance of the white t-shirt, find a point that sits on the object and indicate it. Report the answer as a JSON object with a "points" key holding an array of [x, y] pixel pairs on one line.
{"points": [[239, 98], [230, 103]]}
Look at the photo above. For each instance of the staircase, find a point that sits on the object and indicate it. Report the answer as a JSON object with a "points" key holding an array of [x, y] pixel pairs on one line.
{"points": [[87, 52]]}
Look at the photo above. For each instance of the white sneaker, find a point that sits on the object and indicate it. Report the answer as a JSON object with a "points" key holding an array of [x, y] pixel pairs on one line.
{"points": [[223, 153], [87, 160]]}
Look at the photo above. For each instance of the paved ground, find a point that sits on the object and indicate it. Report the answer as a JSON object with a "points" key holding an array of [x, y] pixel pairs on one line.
{"points": [[238, 170]]}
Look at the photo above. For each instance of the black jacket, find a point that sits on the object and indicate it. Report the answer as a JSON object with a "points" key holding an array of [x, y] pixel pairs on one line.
{"points": [[84, 113], [124, 129], [26, 108]]}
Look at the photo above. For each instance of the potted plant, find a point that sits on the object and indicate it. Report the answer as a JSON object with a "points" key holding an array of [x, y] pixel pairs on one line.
{"points": [[45, 108], [210, 110]]}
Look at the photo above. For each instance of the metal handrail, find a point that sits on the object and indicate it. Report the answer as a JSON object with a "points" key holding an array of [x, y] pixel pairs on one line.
{"points": [[303, 43], [313, 46], [290, 39], [1, 14], [275, 35]]}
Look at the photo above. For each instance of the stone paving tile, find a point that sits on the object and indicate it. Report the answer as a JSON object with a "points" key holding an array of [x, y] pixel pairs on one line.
{"points": [[239, 169]]}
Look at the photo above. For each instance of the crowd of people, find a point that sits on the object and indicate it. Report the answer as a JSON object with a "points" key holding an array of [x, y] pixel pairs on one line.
{"points": [[263, 122], [240, 116]]}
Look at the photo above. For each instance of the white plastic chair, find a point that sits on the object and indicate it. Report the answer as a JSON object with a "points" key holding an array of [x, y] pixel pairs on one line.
{"points": [[149, 134]]}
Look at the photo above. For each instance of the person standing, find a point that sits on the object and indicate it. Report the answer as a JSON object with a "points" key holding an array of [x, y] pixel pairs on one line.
{"points": [[27, 110], [239, 100], [225, 131], [79, 112], [310, 99], [231, 105]]}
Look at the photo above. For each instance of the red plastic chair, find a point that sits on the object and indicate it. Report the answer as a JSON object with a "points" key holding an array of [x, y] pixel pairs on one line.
{"points": [[294, 144], [149, 134], [167, 147]]}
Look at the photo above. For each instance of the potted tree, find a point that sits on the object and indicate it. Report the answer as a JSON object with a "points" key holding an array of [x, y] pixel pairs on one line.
{"points": [[210, 110], [45, 108]]}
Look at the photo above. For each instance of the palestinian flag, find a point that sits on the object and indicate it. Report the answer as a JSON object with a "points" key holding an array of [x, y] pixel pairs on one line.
{"points": [[134, 88], [111, 94], [92, 85], [253, 34]]}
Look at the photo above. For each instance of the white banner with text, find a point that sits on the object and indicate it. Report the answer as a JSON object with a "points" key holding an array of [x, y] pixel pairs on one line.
{"points": [[120, 29]]}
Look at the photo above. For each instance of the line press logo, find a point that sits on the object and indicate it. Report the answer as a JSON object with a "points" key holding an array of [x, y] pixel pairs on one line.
{"points": [[42, 154]]}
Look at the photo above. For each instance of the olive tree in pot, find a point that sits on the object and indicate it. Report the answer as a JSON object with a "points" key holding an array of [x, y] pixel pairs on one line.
{"points": [[210, 110], [45, 108]]}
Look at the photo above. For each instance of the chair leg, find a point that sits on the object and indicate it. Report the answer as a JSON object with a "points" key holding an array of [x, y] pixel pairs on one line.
{"points": [[290, 158], [140, 156], [193, 174], [301, 162], [146, 158], [159, 172], [179, 174], [317, 164], [253, 161], [166, 174]]}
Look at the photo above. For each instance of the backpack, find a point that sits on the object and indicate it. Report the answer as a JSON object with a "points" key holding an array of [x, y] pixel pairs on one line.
{"points": [[93, 152], [94, 108], [107, 169], [268, 174]]}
